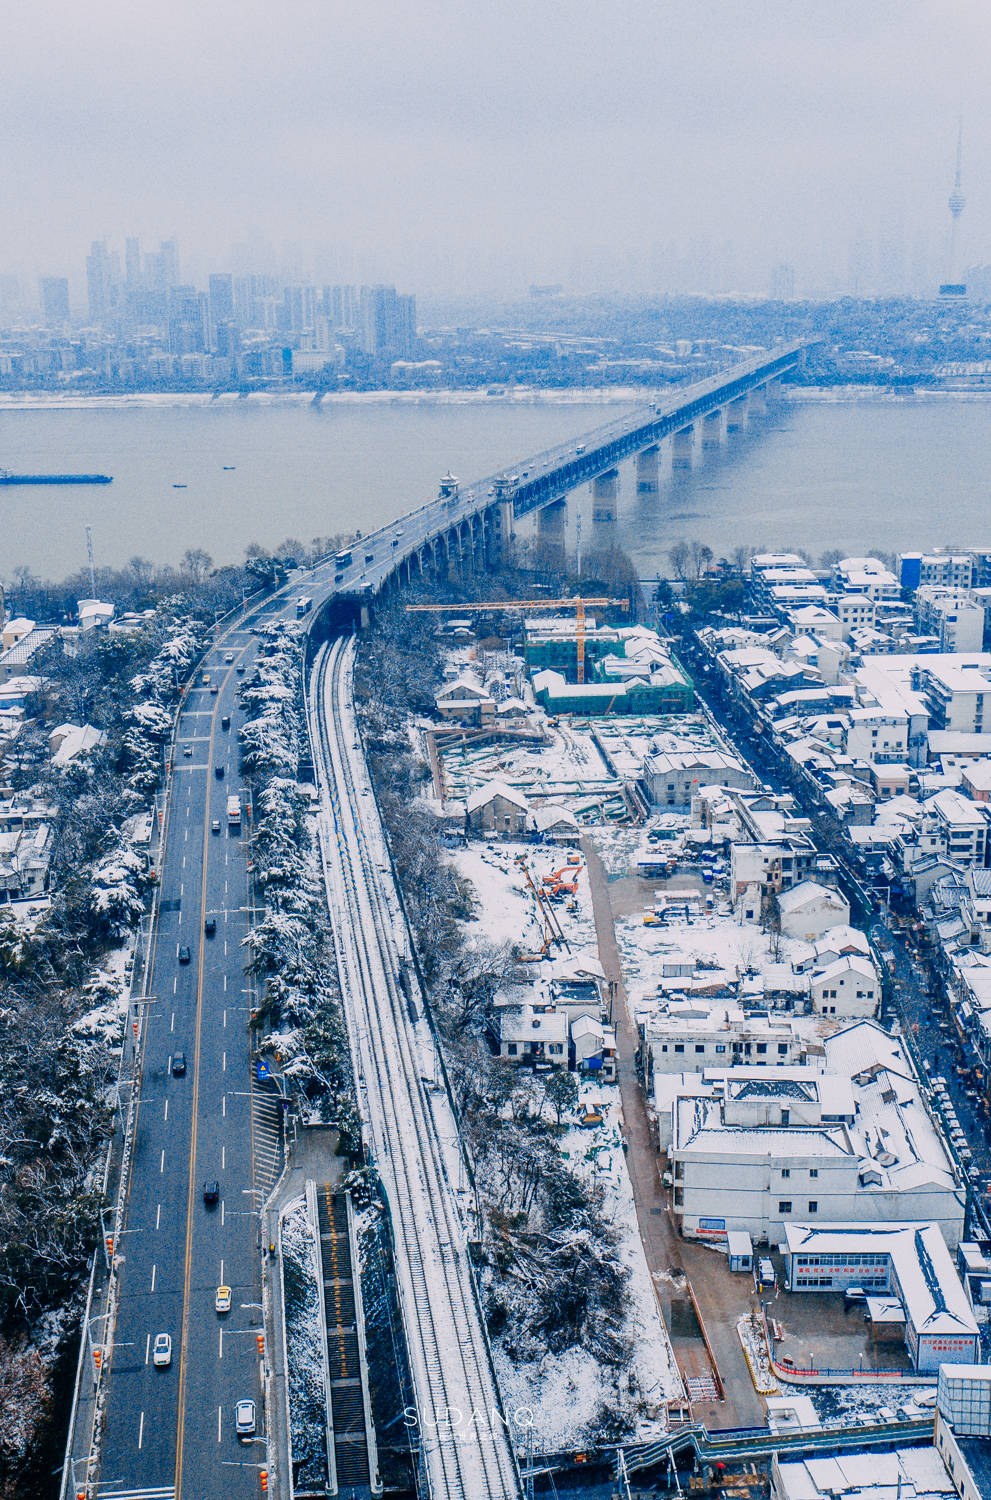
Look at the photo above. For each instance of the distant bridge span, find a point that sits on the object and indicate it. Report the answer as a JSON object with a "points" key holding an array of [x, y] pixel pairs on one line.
{"points": [[473, 524]]}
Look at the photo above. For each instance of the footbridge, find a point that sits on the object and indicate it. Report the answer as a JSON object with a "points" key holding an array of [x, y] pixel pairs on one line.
{"points": [[471, 526]]}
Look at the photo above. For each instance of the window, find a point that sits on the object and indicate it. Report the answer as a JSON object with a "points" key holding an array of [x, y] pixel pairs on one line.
{"points": [[782, 1048], [761, 1048], [720, 1046], [813, 1171], [512, 1049], [813, 1205], [699, 1046], [786, 1171], [784, 1206], [679, 1046]]}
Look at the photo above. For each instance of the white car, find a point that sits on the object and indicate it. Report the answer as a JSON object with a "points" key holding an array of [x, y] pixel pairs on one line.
{"points": [[222, 1301], [161, 1353], [244, 1419]]}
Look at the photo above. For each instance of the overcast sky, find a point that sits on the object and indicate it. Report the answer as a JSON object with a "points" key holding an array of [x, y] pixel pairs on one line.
{"points": [[484, 142]]}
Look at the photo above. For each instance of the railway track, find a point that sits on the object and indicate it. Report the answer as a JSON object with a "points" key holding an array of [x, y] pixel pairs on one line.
{"points": [[466, 1448]]}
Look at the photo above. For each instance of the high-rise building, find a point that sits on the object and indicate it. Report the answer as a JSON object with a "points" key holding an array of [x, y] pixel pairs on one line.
{"points": [[54, 300], [341, 307], [102, 281], [387, 323], [188, 321], [221, 299]]}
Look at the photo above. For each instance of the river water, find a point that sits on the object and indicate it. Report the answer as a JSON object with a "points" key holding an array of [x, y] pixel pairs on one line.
{"points": [[857, 474]]}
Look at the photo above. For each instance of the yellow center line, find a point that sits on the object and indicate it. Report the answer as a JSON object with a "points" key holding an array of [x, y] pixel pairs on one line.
{"points": [[196, 1101]]}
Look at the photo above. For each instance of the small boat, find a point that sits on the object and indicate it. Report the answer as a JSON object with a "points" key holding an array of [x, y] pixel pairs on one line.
{"points": [[230, 466], [180, 486]]}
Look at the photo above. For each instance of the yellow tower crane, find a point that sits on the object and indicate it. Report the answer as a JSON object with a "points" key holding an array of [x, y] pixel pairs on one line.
{"points": [[528, 606]]}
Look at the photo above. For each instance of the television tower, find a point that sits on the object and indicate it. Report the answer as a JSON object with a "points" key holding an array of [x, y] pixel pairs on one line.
{"points": [[956, 204]]}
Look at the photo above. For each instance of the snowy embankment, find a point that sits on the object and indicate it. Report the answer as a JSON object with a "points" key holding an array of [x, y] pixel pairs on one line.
{"points": [[572, 1395], [304, 1351]]}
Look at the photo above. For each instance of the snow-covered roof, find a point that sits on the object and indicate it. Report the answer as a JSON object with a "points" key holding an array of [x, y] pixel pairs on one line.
{"points": [[553, 815], [847, 963], [483, 795], [806, 893]]}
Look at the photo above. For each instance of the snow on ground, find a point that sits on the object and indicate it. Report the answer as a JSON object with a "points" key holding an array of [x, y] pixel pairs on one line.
{"points": [[617, 848], [720, 939], [507, 910]]}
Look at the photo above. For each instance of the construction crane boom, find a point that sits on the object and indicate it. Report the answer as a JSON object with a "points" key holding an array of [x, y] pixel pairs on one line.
{"points": [[516, 606]]}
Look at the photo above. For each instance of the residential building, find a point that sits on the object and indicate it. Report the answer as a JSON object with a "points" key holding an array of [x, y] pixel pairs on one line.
{"points": [[848, 988], [808, 910], [753, 1149]]}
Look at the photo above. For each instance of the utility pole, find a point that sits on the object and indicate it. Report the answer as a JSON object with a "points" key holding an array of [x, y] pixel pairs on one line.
{"points": [[89, 554]]}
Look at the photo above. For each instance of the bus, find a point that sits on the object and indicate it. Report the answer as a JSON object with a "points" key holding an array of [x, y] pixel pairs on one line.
{"points": [[342, 559], [303, 605], [233, 812]]}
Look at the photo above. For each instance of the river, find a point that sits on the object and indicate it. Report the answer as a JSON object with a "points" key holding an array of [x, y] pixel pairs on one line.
{"points": [[857, 474]]}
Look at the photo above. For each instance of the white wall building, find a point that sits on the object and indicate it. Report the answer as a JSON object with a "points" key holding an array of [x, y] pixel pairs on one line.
{"points": [[847, 988], [809, 910], [754, 1150]]}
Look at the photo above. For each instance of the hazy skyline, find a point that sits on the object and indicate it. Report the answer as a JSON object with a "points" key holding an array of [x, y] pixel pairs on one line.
{"points": [[453, 147]]}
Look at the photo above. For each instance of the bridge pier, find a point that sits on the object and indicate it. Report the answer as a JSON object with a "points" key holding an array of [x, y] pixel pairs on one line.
{"points": [[736, 415], [757, 401], [682, 448], [712, 431], [648, 470], [552, 522], [605, 496]]}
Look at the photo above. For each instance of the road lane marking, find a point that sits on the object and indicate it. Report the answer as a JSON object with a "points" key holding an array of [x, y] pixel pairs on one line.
{"points": [[154, 1273], [225, 1062], [161, 1165], [191, 1183], [225, 987], [166, 1115], [221, 1354], [141, 1430], [175, 984], [223, 1216], [223, 1105], [184, 857], [220, 1411], [223, 1158], [225, 1011], [158, 1220], [221, 1282], [172, 1022], [147, 1348]]}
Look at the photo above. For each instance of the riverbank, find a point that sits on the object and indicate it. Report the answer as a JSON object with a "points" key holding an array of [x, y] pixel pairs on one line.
{"points": [[612, 395]]}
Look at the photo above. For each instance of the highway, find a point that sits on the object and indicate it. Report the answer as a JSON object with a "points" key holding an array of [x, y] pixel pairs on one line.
{"points": [[408, 1117], [170, 1432]]}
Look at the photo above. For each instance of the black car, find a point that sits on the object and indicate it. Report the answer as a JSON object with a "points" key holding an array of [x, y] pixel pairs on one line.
{"points": [[211, 1193], [210, 926], [218, 771], [178, 1064], [184, 955], [225, 722]]}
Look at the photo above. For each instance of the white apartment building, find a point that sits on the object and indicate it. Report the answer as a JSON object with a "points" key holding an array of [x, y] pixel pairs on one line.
{"points": [[956, 689], [848, 988], [877, 733], [960, 827], [866, 575], [754, 1150], [952, 616], [809, 910], [682, 1036]]}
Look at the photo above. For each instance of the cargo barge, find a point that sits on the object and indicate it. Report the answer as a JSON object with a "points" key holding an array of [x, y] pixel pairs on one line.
{"points": [[7, 478]]}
